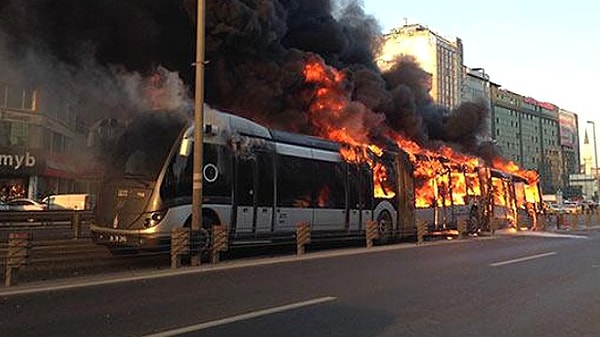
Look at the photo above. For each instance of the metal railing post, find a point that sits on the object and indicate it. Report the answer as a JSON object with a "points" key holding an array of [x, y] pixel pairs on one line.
{"points": [[180, 245], [76, 225], [371, 232], [302, 237], [220, 242], [421, 231], [19, 245]]}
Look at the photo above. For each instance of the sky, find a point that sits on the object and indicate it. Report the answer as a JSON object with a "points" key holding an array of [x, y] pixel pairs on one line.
{"points": [[547, 50]]}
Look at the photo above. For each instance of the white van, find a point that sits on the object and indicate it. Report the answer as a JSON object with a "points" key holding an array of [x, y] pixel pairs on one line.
{"points": [[77, 202]]}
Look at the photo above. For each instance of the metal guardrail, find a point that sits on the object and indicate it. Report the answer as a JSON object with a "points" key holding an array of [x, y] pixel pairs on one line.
{"points": [[25, 253], [43, 216]]}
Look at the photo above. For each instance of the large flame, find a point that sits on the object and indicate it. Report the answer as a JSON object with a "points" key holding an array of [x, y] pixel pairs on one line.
{"points": [[329, 113], [443, 177], [512, 168]]}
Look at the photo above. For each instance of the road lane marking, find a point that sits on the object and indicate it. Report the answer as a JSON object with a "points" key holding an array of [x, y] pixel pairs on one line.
{"points": [[544, 234], [526, 258], [242, 317]]}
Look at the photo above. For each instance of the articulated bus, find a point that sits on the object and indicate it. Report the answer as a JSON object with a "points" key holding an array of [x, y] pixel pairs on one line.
{"points": [[258, 182], [481, 197]]}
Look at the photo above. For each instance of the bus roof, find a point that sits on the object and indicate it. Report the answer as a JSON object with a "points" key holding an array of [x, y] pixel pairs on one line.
{"points": [[216, 122]]}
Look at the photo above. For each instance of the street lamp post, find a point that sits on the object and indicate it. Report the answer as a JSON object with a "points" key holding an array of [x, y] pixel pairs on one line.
{"points": [[198, 133], [595, 150]]}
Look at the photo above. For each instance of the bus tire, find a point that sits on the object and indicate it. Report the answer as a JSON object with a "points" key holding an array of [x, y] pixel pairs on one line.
{"points": [[386, 227]]}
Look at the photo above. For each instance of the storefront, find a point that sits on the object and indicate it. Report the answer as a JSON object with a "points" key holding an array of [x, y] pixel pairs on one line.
{"points": [[26, 173], [18, 169]]}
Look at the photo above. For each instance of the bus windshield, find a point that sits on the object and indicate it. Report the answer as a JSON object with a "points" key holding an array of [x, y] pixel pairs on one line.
{"points": [[142, 149]]}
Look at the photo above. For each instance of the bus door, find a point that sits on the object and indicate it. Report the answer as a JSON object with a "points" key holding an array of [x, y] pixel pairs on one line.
{"points": [[264, 198], [354, 197], [366, 197], [244, 194], [254, 194]]}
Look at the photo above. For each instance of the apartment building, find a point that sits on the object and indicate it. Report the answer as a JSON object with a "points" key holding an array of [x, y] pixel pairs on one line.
{"points": [[40, 144], [441, 57]]}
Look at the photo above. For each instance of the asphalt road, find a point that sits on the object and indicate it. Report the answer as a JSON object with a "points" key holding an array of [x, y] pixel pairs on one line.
{"points": [[504, 286]]}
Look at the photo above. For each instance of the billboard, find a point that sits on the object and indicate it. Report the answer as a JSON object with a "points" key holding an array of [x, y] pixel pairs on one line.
{"points": [[568, 129]]}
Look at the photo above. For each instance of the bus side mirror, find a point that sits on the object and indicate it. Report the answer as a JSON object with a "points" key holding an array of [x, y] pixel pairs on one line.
{"points": [[186, 147]]}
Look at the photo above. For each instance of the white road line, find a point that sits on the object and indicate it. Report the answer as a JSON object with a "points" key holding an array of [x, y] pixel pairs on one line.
{"points": [[242, 317], [526, 258]]}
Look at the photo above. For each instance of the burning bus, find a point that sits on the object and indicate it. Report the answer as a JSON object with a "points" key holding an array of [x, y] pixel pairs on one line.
{"points": [[449, 192], [260, 182]]}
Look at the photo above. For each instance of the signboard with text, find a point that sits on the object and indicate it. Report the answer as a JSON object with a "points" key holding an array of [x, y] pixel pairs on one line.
{"points": [[567, 129], [20, 162]]}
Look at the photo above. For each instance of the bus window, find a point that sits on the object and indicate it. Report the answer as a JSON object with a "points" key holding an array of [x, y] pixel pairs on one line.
{"points": [[294, 181], [255, 180], [217, 173], [176, 186], [329, 185], [177, 182]]}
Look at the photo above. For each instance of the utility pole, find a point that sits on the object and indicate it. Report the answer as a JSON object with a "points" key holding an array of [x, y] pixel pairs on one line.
{"points": [[198, 136]]}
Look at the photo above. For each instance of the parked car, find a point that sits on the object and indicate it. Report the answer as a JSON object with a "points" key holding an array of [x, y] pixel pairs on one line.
{"points": [[3, 206], [79, 201], [572, 207], [553, 208], [23, 204]]}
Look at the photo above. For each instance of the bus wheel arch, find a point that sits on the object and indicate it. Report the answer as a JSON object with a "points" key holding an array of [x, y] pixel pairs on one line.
{"points": [[209, 219], [385, 222]]}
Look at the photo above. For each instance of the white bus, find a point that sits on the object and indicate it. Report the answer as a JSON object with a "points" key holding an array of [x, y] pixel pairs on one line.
{"points": [[258, 182]]}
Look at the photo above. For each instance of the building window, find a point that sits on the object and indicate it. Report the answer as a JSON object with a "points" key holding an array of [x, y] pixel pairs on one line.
{"points": [[18, 98], [18, 134]]}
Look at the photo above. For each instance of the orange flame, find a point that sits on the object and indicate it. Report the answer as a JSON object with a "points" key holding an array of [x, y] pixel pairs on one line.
{"points": [[531, 176], [328, 114], [443, 176]]}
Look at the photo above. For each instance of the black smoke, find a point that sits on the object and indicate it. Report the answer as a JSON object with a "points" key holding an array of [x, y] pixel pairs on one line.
{"points": [[255, 54]]}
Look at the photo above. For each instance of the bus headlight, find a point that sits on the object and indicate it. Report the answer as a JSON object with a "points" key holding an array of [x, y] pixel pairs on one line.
{"points": [[155, 218]]}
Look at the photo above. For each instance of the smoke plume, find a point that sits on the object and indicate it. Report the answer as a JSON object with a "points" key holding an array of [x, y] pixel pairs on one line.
{"points": [[104, 55]]}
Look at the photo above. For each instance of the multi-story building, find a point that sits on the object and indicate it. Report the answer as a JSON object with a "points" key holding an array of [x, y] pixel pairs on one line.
{"points": [[528, 132], [476, 88], [40, 140], [535, 135], [439, 56], [505, 125]]}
